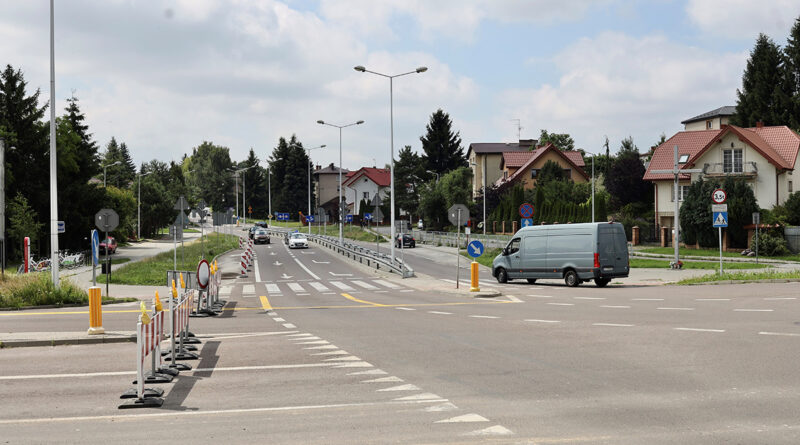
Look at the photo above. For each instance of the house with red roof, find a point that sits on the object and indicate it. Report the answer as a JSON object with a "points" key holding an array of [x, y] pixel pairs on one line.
{"points": [[522, 167], [485, 158], [765, 157], [364, 184]]}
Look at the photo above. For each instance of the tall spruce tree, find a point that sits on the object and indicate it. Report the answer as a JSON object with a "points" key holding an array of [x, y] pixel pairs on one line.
{"points": [[442, 148], [624, 181], [128, 168], [289, 169], [408, 176], [762, 98], [791, 54]]}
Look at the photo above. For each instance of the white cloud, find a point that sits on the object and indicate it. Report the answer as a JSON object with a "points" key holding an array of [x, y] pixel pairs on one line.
{"points": [[618, 85], [744, 19]]}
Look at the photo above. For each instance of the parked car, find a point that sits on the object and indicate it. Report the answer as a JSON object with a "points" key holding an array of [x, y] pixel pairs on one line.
{"points": [[408, 241], [572, 252], [109, 244], [298, 241], [252, 232], [261, 237], [262, 224], [420, 224]]}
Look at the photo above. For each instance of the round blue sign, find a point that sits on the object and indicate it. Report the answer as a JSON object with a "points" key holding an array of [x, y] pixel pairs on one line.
{"points": [[475, 249], [526, 210]]}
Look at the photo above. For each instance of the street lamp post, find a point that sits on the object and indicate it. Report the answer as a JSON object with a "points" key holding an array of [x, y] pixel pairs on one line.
{"points": [[309, 183], [244, 193], [341, 218], [139, 207], [421, 69], [104, 171]]}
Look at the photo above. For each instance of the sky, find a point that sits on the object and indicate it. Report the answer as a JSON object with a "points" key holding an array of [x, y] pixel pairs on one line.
{"points": [[165, 75]]}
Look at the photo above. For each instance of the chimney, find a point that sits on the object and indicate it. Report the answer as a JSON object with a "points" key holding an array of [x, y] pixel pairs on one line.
{"points": [[722, 126], [317, 167], [759, 124]]}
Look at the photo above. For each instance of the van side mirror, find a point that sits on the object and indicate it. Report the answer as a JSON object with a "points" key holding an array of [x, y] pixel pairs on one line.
{"points": [[505, 251]]}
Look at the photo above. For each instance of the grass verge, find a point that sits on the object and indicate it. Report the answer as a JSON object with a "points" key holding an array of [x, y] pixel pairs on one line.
{"points": [[646, 263], [37, 289], [354, 232], [686, 252], [152, 271], [743, 276], [487, 257]]}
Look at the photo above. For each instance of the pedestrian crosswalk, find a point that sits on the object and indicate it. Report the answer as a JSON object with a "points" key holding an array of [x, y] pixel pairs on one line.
{"points": [[306, 287]]}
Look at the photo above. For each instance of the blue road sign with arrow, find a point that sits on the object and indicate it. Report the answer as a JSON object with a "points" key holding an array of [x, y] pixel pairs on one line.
{"points": [[310, 218], [527, 222], [95, 247], [348, 218], [475, 249], [720, 219], [368, 216]]}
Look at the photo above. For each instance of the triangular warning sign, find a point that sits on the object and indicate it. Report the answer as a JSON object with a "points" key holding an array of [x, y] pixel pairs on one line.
{"points": [[720, 221]]}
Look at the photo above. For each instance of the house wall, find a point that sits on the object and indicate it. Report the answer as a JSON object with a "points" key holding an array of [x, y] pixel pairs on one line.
{"points": [[327, 187], [528, 183], [665, 206], [785, 178], [362, 185], [493, 171], [716, 124]]}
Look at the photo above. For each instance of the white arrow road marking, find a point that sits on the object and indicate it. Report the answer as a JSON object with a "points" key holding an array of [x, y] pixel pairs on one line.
{"points": [[320, 262], [286, 277], [277, 263], [497, 430], [423, 396], [369, 372], [408, 387], [441, 408], [472, 417], [390, 379], [341, 274]]}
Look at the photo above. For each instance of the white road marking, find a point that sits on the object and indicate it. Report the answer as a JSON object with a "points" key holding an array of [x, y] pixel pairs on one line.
{"points": [[341, 285], [289, 326], [423, 396], [318, 286], [440, 313], [273, 289], [386, 284], [647, 299], [616, 307], [441, 408], [405, 309], [320, 262], [369, 372], [313, 342], [281, 320], [589, 298], [382, 291], [258, 271], [699, 330], [540, 296], [675, 308], [391, 379], [533, 320], [514, 299], [483, 316], [472, 417], [562, 304], [407, 387], [248, 289], [313, 275], [712, 299], [296, 287], [613, 325], [497, 430], [351, 358], [781, 298], [364, 285], [785, 334], [340, 274], [404, 290], [354, 365], [225, 290], [306, 334], [339, 352], [323, 347], [753, 310]]}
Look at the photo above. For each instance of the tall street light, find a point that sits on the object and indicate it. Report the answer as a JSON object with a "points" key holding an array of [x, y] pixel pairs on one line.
{"points": [[308, 150], [139, 207], [244, 193], [341, 218], [53, 160], [104, 171], [421, 69]]}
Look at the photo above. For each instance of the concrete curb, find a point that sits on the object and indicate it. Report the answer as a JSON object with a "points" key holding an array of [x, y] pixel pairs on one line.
{"points": [[48, 339], [767, 281]]}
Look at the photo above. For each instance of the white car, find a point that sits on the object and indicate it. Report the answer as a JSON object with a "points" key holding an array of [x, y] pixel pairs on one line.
{"points": [[298, 241]]}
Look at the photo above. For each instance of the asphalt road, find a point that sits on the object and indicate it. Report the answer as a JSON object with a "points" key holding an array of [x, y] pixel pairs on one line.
{"points": [[311, 349]]}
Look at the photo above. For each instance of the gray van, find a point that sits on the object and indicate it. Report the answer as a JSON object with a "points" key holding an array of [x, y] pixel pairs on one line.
{"points": [[574, 252]]}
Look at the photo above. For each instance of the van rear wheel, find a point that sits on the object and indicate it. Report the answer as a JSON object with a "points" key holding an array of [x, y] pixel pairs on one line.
{"points": [[502, 275], [571, 278], [601, 282]]}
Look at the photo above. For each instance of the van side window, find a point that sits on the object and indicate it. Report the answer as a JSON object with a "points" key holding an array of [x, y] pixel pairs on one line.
{"points": [[513, 246]]}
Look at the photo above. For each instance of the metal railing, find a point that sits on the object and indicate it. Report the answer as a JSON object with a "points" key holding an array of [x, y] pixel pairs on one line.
{"points": [[363, 255], [718, 169], [449, 239]]}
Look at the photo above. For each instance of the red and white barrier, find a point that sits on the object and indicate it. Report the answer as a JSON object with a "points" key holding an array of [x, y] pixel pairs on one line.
{"points": [[243, 264], [147, 341]]}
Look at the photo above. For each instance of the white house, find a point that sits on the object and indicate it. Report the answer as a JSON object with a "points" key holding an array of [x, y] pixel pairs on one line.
{"points": [[364, 184]]}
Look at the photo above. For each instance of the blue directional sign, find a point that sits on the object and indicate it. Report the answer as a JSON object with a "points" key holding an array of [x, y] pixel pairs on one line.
{"points": [[527, 222], [720, 219], [282, 216], [61, 227], [348, 218], [475, 249], [95, 247], [310, 218], [368, 216]]}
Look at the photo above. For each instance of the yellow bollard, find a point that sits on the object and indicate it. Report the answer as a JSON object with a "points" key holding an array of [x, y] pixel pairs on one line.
{"points": [[473, 285], [95, 311]]}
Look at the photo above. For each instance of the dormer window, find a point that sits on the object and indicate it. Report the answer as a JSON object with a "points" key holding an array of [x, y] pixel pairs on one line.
{"points": [[709, 125], [682, 159]]}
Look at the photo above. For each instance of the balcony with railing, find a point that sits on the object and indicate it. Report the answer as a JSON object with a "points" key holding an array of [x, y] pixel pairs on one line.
{"points": [[719, 169]]}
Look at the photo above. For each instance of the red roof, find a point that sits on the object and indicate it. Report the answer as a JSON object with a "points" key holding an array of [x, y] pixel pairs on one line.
{"points": [[536, 154], [515, 159], [576, 157], [379, 176], [778, 145]]}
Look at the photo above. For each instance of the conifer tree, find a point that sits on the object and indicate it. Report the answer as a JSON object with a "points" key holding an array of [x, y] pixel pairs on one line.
{"points": [[442, 147], [762, 97], [791, 53]]}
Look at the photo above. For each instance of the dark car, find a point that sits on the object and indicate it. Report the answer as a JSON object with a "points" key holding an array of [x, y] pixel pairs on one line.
{"points": [[408, 241], [252, 232], [261, 237], [109, 244], [262, 224]]}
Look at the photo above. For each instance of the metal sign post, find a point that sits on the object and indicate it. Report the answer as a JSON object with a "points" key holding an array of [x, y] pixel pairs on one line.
{"points": [[756, 222], [458, 247], [106, 220], [719, 220]]}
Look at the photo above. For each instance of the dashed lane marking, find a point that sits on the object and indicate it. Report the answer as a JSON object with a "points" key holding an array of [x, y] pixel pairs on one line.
{"points": [[540, 296], [533, 320], [780, 298], [753, 310], [784, 334], [647, 299], [483, 316], [407, 387], [616, 307], [712, 299], [562, 304], [405, 309], [589, 298], [613, 325], [699, 330], [440, 313], [675, 308]]}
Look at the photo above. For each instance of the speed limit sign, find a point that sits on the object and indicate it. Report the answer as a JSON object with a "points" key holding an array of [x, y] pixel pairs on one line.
{"points": [[719, 196]]}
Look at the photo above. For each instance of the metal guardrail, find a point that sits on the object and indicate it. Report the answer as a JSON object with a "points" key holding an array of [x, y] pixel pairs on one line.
{"points": [[355, 252], [449, 239]]}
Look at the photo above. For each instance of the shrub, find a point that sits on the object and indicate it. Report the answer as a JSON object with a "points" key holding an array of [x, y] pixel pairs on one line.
{"points": [[36, 289], [770, 244], [792, 206]]}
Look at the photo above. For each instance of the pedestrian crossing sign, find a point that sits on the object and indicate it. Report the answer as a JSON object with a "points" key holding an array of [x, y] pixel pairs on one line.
{"points": [[720, 219]]}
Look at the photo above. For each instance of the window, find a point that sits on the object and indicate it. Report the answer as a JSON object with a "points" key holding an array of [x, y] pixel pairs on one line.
{"points": [[534, 173], [366, 196], [505, 174], [683, 190], [732, 161], [790, 187], [682, 159], [513, 246], [568, 173], [709, 125]]}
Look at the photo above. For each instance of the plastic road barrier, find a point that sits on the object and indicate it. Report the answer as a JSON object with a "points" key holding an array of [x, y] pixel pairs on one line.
{"points": [[473, 285], [181, 309], [95, 311], [243, 265], [146, 343]]}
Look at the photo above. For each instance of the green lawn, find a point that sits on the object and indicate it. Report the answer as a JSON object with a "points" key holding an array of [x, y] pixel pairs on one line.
{"points": [[743, 276], [353, 232], [36, 289], [685, 252], [637, 263], [152, 271], [165, 231], [487, 257]]}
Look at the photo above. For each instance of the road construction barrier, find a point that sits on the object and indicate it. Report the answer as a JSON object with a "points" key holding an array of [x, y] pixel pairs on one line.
{"points": [[95, 311], [148, 338], [181, 309], [243, 266], [241, 242]]}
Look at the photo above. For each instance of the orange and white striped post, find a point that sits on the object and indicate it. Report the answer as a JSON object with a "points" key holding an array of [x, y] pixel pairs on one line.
{"points": [[95, 311]]}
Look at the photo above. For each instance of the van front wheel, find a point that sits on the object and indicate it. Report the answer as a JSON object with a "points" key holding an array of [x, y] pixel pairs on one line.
{"points": [[502, 275], [601, 282], [571, 278]]}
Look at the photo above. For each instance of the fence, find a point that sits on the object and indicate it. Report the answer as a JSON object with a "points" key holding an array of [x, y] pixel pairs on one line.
{"points": [[792, 235]]}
